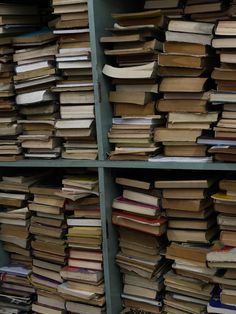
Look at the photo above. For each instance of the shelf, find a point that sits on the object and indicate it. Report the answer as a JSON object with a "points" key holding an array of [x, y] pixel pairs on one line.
{"points": [[170, 165], [55, 163], [66, 163]]}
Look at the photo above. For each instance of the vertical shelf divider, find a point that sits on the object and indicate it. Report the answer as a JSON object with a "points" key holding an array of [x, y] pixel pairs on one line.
{"points": [[108, 192]]}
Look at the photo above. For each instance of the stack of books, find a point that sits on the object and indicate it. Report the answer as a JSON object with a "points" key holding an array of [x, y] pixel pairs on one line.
{"points": [[209, 11], [185, 66], [225, 79], [225, 258], [15, 19], [16, 292], [83, 287], [77, 117], [189, 284], [35, 76], [191, 229], [133, 137], [48, 229], [15, 233], [188, 206], [135, 43], [224, 204], [48, 302], [15, 216], [137, 214]]}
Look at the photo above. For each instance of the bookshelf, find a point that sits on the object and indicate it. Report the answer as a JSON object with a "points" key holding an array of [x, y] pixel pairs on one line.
{"points": [[99, 19], [106, 164]]}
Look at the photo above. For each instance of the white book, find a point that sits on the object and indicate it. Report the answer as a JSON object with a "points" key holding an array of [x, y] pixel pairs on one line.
{"points": [[135, 72], [76, 115], [32, 66], [222, 256], [34, 97], [75, 65], [221, 97], [191, 27], [74, 50], [14, 196], [67, 59], [84, 222], [71, 31], [189, 38], [74, 124], [142, 121], [161, 158], [42, 155]]}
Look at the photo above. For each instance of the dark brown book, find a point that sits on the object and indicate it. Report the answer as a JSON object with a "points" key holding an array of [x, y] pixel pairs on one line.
{"points": [[176, 105], [122, 109], [187, 61], [185, 151], [186, 48]]}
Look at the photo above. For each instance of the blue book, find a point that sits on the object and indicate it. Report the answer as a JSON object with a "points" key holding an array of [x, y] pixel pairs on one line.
{"points": [[215, 305]]}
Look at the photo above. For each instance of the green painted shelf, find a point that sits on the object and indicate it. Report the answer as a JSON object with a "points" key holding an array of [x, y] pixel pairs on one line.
{"points": [[65, 163], [214, 166], [57, 163]]}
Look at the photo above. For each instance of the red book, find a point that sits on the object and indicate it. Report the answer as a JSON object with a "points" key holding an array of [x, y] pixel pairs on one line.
{"points": [[156, 226]]}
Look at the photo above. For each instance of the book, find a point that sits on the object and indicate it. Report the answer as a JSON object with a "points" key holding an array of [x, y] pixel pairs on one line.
{"points": [[124, 204], [191, 236], [189, 38], [139, 72], [191, 27], [189, 85], [152, 226]]}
